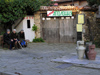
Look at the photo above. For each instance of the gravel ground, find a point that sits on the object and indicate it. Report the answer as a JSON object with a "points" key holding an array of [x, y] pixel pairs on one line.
{"points": [[36, 60]]}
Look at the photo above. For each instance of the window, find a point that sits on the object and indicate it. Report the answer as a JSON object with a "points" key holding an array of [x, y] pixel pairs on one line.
{"points": [[28, 24]]}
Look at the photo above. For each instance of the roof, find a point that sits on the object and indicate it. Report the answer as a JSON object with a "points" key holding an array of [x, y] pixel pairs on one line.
{"points": [[61, 0], [88, 8], [61, 8], [66, 0], [58, 8]]}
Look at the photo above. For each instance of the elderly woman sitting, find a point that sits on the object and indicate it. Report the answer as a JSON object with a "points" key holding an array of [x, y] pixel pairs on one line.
{"points": [[22, 38], [7, 39], [14, 37]]}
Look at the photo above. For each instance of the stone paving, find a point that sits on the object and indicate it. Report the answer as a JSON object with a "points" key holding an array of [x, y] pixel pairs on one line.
{"points": [[82, 63], [36, 60]]}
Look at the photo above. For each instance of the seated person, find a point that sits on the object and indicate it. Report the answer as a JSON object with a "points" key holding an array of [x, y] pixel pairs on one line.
{"points": [[22, 38], [7, 39], [14, 37]]}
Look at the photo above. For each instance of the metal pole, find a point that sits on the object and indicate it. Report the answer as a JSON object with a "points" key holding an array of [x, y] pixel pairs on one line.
{"points": [[20, 45], [73, 2]]}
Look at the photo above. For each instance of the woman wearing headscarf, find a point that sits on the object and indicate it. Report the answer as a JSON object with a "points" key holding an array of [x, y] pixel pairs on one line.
{"points": [[22, 38], [14, 37], [7, 39]]}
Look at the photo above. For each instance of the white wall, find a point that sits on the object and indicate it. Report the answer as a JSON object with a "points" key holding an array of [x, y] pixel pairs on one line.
{"points": [[19, 27], [29, 34], [16, 22]]}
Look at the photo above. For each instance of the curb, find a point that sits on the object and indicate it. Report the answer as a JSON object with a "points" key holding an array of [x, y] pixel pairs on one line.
{"points": [[1, 73]]}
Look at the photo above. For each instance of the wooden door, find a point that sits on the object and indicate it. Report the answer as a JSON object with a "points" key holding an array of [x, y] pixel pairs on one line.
{"points": [[50, 30], [66, 30], [59, 30]]}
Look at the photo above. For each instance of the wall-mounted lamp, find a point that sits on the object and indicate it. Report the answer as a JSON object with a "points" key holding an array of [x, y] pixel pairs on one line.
{"points": [[43, 18], [48, 18], [72, 17], [54, 18], [62, 17], [67, 17]]}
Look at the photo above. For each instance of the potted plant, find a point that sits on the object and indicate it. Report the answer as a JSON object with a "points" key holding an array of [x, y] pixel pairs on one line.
{"points": [[34, 28]]}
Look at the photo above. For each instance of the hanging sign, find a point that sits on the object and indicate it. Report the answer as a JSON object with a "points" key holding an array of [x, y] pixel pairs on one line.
{"points": [[59, 13], [79, 27], [81, 19]]}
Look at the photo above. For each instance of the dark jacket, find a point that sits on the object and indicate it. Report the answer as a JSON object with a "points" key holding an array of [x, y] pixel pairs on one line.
{"points": [[14, 35], [21, 35], [6, 37]]}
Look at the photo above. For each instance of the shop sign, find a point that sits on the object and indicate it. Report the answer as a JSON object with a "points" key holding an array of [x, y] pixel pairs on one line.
{"points": [[59, 13], [79, 27], [81, 19]]}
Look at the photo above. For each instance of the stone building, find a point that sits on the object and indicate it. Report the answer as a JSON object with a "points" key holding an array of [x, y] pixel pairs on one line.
{"points": [[59, 23], [63, 29], [80, 3]]}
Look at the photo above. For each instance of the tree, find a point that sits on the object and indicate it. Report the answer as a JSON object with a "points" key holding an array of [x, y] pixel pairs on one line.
{"points": [[11, 10], [92, 2]]}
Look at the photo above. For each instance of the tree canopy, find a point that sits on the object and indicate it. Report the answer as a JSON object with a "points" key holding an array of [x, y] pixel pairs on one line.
{"points": [[92, 2], [11, 10]]}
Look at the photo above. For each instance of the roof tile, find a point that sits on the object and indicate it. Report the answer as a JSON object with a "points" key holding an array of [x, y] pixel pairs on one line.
{"points": [[60, 8]]}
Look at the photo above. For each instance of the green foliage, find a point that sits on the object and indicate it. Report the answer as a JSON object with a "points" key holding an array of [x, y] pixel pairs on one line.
{"points": [[38, 40], [11, 10], [34, 28], [92, 2], [1, 33], [97, 43]]}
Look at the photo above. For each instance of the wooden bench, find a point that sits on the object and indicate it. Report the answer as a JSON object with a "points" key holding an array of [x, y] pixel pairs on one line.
{"points": [[2, 43]]}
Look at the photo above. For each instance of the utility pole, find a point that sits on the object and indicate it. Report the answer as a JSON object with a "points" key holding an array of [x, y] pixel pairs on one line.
{"points": [[73, 2]]}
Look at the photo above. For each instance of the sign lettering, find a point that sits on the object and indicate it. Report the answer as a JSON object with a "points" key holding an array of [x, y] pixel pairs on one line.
{"points": [[59, 13]]}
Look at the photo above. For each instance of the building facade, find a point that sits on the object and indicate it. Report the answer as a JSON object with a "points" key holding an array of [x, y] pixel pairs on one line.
{"points": [[79, 3], [67, 22], [25, 24], [61, 28]]}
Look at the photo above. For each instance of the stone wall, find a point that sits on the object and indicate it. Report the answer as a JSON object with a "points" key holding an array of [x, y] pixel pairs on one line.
{"points": [[93, 26], [37, 21]]}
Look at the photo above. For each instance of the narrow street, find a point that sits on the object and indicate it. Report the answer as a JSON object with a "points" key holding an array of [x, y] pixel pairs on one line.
{"points": [[36, 60]]}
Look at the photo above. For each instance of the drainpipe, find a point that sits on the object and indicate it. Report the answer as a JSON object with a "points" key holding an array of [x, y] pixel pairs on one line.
{"points": [[98, 15], [73, 2], [99, 9]]}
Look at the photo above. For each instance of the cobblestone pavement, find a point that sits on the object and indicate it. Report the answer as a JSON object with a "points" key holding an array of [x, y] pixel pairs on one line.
{"points": [[36, 60]]}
